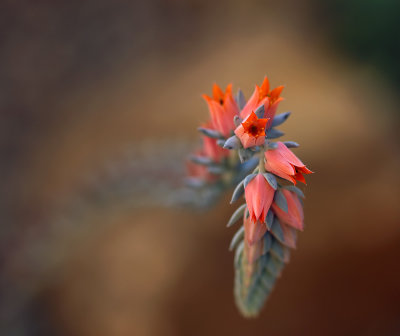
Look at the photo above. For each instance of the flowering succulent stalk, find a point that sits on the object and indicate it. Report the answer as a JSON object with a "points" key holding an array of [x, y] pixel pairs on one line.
{"points": [[265, 173]]}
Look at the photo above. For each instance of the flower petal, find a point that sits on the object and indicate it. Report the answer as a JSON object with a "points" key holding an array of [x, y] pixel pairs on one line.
{"points": [[251, 104], [253, 231]]}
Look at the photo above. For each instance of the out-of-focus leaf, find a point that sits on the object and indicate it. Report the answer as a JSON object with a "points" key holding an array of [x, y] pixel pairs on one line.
{"points": [[245, 154], [201, 160], [277, 250], [291, 144], [280, 119], [237, 120], [280, 200], [276, 230], [296, 190], [238, 254], [240, 99], [210, 133], [269, 220], [238, 236], [194, 182], [239, 212], [260, 111], [272, 145], [273, 133], [239, 190], [232, 143], [267, 243]]}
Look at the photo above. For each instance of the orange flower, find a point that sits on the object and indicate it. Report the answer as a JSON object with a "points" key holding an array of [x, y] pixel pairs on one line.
{"points": [[295, 216], [259, 195], [282, 162], [222, 109], [253, 231], [251, 131], [263, 95]]}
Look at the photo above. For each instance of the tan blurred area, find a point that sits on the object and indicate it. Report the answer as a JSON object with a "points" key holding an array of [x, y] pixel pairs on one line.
{"points": [[79, 93]]}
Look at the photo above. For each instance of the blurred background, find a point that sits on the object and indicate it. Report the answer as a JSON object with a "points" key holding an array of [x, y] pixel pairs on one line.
{"points": [[100, 101]]}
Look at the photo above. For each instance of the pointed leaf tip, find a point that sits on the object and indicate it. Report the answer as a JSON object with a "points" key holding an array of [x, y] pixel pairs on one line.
{"points": [[267, 243], [269, 220], [240, 99], [239, 190], [248, 166], [237, 120], [271, 180], [201, 160], [221, 142], [273, 133], [280, 200], [248, 179], [210, 133], [278, 252], [232, 143], [238, 236], [245, 154], [238, 253], [280, 119], [260, 111], [239, 212], [291, 144], [274, 265], [277, 231]]}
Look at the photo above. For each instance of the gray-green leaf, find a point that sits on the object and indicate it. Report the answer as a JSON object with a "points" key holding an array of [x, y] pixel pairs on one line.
{"points": [[237, 238], [237, 215], [280, 200]]}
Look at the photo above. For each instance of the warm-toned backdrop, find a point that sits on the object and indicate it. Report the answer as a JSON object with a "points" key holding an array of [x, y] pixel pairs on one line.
{"points": [[102, 98]]}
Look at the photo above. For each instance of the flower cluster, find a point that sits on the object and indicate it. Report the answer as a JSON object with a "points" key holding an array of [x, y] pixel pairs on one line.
{"points": [[238, 149]]}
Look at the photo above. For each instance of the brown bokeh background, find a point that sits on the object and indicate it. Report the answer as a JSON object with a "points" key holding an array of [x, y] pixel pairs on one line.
{"points": [[99, 97]]}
